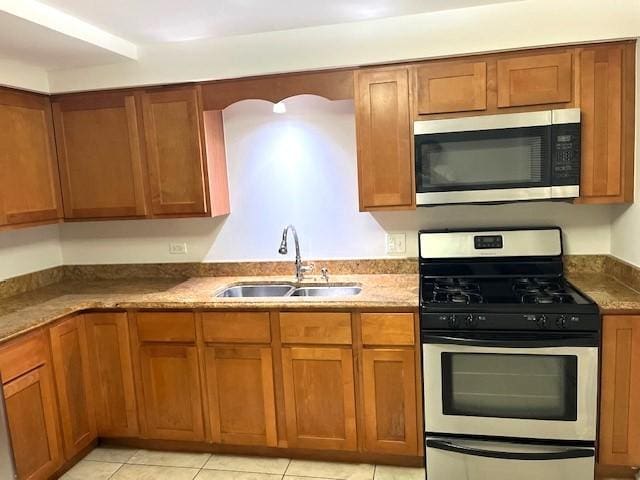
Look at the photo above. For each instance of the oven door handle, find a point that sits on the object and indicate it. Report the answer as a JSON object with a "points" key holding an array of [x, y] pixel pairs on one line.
{"points": [[476, 452], [504, 341]]}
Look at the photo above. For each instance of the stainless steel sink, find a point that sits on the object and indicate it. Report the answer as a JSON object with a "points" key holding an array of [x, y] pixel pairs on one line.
{"points": [[284, 290], [257, 291], [337, 291]]}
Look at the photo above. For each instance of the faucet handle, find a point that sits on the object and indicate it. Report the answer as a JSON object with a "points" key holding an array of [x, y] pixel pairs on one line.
{"points": [[307, 268], [325, 274]]}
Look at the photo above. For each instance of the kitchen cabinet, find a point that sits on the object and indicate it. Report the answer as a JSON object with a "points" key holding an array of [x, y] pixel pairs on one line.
{"points": [[100, 155], [31, 406], [444, 87], [32, 418], [319, 396], [29, 183], [607, 104], [389, 380], [384, 139], [241, 395], [72, 375], [111, 374], [172, 392], [174, 136], [536, 79], [619, 435]]}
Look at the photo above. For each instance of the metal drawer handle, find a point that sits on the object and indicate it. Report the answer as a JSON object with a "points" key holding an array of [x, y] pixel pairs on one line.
{"points": [[562, 455]]}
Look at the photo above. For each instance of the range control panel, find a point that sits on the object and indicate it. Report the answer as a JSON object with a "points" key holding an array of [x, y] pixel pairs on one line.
{"points": [[510, 321]]}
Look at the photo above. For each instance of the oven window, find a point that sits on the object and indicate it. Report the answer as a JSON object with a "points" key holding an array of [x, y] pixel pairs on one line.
{"points": [[537, 387], [509, 158]]}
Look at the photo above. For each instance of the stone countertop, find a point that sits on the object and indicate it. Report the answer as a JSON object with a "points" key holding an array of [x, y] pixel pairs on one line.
{"points": [[611, 295], [27, 311]]}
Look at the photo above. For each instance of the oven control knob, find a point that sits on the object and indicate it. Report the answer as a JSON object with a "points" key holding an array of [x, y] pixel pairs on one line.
{"points": [[471, 321], [542, 321], [453, 321], [561, 322]]}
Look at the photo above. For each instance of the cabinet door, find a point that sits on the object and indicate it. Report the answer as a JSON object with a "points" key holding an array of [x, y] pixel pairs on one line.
{"points": [[319, 398], [73, 384], [390, 410], [100, 155], [383, 128], [112, 374], [172, 395], [451, 87], [33, 424], [29, 183], [607, 76], [173, 132], [619, 441], [535, 79], [241, 395]]}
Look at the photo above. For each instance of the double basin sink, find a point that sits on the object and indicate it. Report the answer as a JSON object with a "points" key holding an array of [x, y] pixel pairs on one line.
{"points": [[288, 290]]}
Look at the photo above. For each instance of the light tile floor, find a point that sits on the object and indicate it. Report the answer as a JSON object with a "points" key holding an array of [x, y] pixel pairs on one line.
{"points": [[128, 464]]}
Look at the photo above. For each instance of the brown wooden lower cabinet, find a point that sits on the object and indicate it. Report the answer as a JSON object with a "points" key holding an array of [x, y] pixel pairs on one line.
{"points": [[390, 410], [112, 374], [73, 379], [619, 437], [319, 395], [33, 422], [241, 395], [172, 392]]}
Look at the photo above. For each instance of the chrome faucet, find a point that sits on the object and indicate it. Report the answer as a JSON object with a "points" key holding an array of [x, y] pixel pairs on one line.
{"points": [[300, 268]]}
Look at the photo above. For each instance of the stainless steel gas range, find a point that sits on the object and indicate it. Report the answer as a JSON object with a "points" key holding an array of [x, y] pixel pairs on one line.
{"points": [[510, 358]]}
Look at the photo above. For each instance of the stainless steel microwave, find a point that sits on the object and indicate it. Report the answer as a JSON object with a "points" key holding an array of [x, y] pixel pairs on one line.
{"points": [[498, 158]]}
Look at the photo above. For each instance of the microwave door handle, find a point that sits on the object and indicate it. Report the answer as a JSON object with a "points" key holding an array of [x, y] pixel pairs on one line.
{"points": [[477, 452], [562, 341]]}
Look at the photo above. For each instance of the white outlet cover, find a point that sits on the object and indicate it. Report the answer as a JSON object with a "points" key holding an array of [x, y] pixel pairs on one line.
{"points": [[178, 248], [396, 243]]}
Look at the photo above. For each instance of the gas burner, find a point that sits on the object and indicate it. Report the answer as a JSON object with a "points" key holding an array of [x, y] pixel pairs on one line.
{"points": [[540, 287], [456, 297], [455, 285], [547, 298]]}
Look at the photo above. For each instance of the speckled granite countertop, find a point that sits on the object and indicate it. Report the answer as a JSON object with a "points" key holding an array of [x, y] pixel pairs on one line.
{"points": [[612, 296], [24, 312]]}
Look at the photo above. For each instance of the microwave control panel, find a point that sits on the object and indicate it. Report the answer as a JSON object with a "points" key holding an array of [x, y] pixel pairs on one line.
{"points": [[565, 148]]}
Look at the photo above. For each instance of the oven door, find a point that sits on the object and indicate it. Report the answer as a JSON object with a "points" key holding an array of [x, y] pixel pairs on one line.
{"points": [[545, 387], [453, 458], [483, 159]]}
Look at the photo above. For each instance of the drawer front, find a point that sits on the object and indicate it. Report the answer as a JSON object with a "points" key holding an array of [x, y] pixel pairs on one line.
{"points": [[236, 327], [387, 329], [21, 355], [331, 328], [166, 327]]}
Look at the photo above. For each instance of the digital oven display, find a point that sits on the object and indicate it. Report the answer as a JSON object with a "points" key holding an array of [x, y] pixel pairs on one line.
{"points": [[483, 242]]}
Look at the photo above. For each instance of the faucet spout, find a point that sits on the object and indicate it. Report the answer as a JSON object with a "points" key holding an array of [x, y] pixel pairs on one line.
{"points": [[300, 268]]}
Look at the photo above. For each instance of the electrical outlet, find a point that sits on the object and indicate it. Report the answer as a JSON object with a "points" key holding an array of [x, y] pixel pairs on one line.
{"points": [[178, 248], [396, 243]]}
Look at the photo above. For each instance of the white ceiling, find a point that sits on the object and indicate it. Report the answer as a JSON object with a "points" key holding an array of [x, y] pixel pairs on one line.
{"points": [[34, 44], [152, 21]]}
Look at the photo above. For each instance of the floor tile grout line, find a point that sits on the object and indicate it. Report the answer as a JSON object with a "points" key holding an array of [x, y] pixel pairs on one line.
{"points": [[117, 470]]}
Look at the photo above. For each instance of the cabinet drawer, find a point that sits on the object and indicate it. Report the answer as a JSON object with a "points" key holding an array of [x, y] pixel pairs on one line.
{"points": [[236, 327], [166, 327], [316, 328], [21, 355], [387, 329]]}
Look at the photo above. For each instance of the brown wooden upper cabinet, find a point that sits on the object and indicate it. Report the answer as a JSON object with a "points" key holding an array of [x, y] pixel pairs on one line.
{"points": [[100, 155], [535, 79], [451, 87], [178, 150], [607, 104], [29, 184], [384, 139]]}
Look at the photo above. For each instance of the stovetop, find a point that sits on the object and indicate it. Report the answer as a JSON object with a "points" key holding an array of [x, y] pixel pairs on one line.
{"points": [[491, 291]]}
